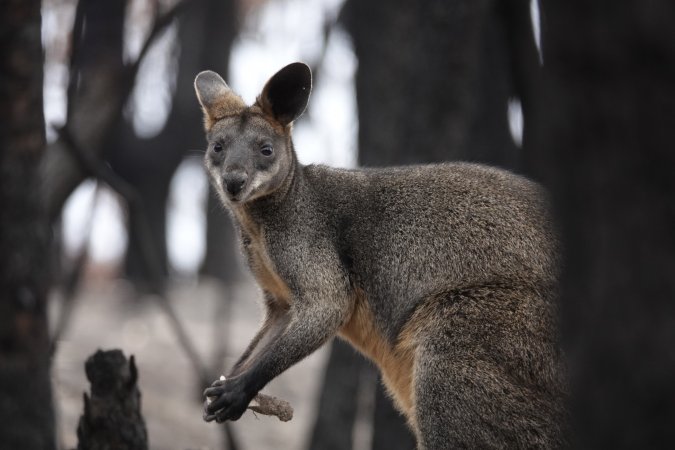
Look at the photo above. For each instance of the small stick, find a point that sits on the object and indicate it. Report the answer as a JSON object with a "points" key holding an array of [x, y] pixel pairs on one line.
{"points": [[268, 405], [272, 406]]}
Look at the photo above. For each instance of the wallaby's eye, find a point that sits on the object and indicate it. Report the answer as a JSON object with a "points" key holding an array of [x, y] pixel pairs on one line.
{"points": [[266, 150], [217, 147]]}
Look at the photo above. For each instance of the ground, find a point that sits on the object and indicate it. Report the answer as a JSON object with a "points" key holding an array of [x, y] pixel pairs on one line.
{"points": [[106, 317]]}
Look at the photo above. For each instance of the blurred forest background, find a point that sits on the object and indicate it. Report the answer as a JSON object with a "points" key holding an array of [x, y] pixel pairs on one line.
{"points": [[109, 237]]}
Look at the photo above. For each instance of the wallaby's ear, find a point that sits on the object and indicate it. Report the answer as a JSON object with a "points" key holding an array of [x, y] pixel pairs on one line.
{"points": [[285, 95], [216, 98]]}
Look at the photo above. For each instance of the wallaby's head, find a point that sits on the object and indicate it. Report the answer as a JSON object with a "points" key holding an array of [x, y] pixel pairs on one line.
{"points": [[250, 153]]}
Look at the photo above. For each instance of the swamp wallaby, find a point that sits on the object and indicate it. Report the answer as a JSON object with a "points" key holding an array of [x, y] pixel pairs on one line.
{"points": [[444, 275]]}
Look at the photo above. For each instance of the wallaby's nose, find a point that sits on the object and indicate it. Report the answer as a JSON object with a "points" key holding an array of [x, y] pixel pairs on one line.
{"points": [[234, 182]]}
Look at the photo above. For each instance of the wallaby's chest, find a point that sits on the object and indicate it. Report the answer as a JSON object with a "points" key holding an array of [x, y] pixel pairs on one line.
{"points": [[262, 265]]}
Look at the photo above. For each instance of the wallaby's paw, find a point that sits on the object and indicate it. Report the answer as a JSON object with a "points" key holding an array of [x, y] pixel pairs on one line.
{"points": [[225, 400]]}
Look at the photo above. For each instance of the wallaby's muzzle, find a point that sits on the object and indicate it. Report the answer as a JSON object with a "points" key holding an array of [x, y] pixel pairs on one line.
{"points": [[234, 183]]}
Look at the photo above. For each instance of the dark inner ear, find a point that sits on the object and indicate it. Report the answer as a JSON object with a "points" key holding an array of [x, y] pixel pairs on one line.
{"points": [[286, 94]]}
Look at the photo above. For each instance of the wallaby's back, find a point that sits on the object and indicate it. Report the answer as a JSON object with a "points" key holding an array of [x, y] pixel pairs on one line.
{"points": [[455, 268], [411, 232]]}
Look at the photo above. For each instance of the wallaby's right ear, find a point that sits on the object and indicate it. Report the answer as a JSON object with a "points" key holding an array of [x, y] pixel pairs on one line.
{"points": [[216, 98], [286, 94]]}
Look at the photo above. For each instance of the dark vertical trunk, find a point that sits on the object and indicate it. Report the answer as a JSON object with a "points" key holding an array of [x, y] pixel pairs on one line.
{"points": [[206, 30], [112, 416], [26, 415], [389, 428], [153, 190], [220, 261], [433, 84], [338, 403], [605, 144]]}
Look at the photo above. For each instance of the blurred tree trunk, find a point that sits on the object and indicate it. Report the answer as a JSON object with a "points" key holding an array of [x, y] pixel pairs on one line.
{"points": [[606, 144], [26, 415], [95, 93], [220, 260], [433, 84], [338, 402], [206, 30]]}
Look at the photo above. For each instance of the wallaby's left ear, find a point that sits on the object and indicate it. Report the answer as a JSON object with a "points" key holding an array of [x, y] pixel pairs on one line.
{"points": [[285, 95], [216, 98]]}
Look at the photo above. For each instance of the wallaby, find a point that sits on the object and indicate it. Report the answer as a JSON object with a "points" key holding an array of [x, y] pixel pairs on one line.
{"points": [[444, 275]]}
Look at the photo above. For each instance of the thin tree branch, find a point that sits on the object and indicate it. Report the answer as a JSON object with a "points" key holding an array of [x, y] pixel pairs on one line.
{"points": [[272, 406], [268, 405], [161, 24]]}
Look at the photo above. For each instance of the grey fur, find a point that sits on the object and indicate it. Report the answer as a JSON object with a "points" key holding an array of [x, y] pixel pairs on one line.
{"points": [[458, 262]]}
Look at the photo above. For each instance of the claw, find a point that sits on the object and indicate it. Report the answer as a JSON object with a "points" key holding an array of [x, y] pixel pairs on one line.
{"points": [[212, 392]]}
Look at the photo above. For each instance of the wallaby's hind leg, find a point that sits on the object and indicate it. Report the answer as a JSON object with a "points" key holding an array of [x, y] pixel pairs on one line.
{"points": [[484, 376], [469, 404]]}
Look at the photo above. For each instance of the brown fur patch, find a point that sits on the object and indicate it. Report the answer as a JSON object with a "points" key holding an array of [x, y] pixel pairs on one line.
{"points": [[260, 262], [395, 362], [256, 112], [227, 106]]}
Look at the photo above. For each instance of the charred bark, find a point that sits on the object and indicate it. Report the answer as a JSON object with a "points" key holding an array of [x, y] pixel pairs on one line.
{"points": [[433, 82], [112, 416], [605, 149], [26, 414]]}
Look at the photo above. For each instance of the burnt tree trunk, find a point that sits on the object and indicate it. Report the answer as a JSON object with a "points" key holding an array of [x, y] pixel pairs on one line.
{"points": [[26, 415], [606, 144], [112, 412], [433, 84]]}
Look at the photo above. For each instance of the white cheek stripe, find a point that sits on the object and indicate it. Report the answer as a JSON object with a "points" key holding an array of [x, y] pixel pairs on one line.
{"points": [[260, 178]]}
